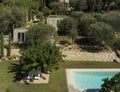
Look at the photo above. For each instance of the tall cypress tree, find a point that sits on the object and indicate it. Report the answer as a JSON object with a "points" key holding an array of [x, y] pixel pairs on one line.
{"points": [[29, 10], [2, 45], [42, 5], [9, 45]]}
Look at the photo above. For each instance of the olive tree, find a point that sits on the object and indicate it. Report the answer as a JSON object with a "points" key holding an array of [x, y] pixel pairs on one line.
{"points": [[5, 18], [59, 7], [73, 34], [85, 22], [113, 20], [81, 5], [66, 25], [91, 5], [76, 15], [19, 18], [102, 34], [40, 33], [46, 11]]}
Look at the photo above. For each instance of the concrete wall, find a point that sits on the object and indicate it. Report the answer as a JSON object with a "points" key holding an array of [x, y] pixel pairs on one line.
{"points": [[53, 21], [16, 31], [67, 1]]}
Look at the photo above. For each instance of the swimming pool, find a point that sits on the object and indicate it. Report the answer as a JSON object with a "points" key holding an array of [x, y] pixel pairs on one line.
{"points": [[91, 80], [87, 79]]}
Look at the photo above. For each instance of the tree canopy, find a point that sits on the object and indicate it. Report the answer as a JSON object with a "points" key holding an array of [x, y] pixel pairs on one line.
{"points": [[81, 5], [40, 33], [95, 5], [112, 84], [85, 22], [66, 25], [45, 57], [102, 33], [113, 20], [5, 18]]}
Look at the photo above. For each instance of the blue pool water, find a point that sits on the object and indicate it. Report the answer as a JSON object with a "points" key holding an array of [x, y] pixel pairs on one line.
{"points": [[90, 80]]}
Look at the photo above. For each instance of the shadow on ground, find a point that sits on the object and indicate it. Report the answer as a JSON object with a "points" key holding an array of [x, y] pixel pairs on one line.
{"points": [[92, 49], [93, 90], [88, 45], [16, 70]]}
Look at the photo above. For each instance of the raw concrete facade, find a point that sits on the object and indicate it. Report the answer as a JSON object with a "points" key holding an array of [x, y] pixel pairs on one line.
{"points": [[19, 34], [53, 20], [67, 1]]}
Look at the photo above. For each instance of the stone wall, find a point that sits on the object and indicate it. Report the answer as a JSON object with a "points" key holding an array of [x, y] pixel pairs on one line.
{"points": [[87, 56], [15, 52]]}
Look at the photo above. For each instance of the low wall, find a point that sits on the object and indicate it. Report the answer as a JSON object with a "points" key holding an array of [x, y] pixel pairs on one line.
{"points": [[15, 52]]}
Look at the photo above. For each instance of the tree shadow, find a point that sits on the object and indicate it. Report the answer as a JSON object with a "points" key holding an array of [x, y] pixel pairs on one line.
{"points": [[92, 49], [93, 90], [87, 45], [15, 68], [117, 52]]}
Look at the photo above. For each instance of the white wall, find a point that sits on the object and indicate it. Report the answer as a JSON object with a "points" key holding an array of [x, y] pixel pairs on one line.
{"points": [[16, 31], [53, 21]]}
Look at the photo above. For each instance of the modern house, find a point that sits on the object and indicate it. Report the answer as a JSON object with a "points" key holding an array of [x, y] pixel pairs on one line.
{"points": [[67, 1], [54, 20], [19, 34]]}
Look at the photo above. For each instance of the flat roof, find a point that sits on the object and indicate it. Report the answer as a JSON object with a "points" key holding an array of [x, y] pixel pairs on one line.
{"points": [[54, 16], [21, 29]]}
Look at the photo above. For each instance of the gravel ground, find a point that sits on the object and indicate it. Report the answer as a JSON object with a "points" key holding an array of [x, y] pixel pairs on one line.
{"points": [[81, 55]]}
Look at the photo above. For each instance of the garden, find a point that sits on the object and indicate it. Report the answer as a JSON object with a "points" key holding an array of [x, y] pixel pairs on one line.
{"points": [[57, 82]]}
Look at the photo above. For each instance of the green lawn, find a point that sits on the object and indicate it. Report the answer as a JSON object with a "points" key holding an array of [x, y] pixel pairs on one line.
{"points": [[57, 79]]}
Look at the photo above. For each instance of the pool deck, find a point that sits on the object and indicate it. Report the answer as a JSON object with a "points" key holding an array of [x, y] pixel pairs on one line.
{"points": [[71, 84]]}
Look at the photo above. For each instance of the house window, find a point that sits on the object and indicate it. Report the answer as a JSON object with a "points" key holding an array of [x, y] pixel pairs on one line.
{"points": [[18, 37], [21, 37], [58, 21]]}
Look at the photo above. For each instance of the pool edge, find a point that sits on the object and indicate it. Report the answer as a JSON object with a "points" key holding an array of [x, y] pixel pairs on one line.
{"points": [[70, 82]]}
